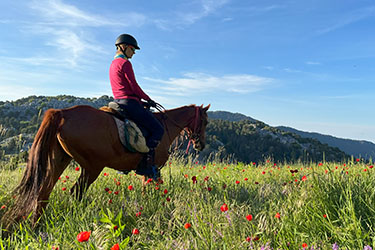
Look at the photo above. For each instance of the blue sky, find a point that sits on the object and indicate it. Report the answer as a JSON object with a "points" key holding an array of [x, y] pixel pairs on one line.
{"points": [[305, 64]]}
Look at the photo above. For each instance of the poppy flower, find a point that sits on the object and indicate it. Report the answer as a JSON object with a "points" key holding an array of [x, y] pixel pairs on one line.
{"points": [[115, 227], [63, 189], [224, 208], [248, 239], [246, 179], [115, 247], [194, 179], [209, 189], [138, 214], [187, 225], [249, 217], [67, 177], [168, 199], [118, 183], [304, 245], [3, 207], [324, 215], [83, 236], [165, 191], [135, 231], [130, 187], [106, 189], [77, 168], [304, 178], [277, 215], [237, 182], [105, 174], [116, 192]]}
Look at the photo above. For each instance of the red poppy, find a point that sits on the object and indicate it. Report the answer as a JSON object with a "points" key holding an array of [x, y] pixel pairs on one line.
{"points": [[209, 189], [165, 191], [249, 217], [304, 178], [237, 182], [206, 178], [116, 192], [63, 189], [248, 239], [83, 236], [304, 245], [77, 168], [130, 187], [263, 172], [115, 247], [67, 177], [106, 189], [224, 208], [135, 231], [246, 179], [118, 183], [3, 207], [324, 215], [187, 225], [115, 227], [194, 179], [277, 215], [168, 199], [105, 174], [138, 214]]}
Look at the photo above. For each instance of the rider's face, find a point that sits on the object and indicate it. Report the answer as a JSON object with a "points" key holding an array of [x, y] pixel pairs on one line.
{"points": [[129, 51]]}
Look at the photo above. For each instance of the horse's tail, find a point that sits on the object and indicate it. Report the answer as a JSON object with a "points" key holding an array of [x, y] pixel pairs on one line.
{"points": [[37, 181]]}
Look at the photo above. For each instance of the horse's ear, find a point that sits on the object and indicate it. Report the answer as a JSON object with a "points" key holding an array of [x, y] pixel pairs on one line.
{"points": [[206, 108]]}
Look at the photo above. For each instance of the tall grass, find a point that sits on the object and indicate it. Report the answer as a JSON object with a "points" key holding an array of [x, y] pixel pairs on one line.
{"points": [[314, 208]]}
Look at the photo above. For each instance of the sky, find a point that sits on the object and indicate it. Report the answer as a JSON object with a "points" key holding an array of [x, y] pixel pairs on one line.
{"points": [[306, 64]]}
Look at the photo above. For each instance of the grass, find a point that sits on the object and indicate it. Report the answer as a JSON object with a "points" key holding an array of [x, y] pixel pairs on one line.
{"points": [[318, 206]]}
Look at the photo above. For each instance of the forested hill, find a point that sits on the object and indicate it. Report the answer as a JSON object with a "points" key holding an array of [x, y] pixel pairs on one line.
{"points": [[245, 140]]}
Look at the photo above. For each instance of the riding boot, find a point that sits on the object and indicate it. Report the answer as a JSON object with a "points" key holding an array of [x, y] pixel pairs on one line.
{"points": [[149, 169]]}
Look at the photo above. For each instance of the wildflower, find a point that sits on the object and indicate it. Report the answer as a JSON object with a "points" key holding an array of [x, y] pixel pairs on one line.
{"points": [[3, 207], [324, 215], [83, 236], [135, 231], [256, 183], [304, 178], [224, 186], [148, 181], [116, 192], [110, 201], [67, 177], [106, 189], [248, 239], [194, 179], [105, 174], [304, 245], [263, 172], [165, 191], [246, 179], [224, 208], [115, 227], [63, 189], [115, 247], [187, 225], [209, 189], [367, 248], [249, 217], [237, 182], [138, 214], [335, 246], [277, 215], [77, 168], [118, 183], [55, 248], [130, 187], [168, 199]]}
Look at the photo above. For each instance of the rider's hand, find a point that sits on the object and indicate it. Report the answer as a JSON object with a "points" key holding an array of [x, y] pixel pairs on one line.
{"points": [[152, 103]]}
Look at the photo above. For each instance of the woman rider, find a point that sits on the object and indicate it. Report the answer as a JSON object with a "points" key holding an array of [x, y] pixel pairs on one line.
{"points": [[128, 94]]}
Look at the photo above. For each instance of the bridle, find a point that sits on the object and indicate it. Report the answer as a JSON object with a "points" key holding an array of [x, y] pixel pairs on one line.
{"points": [[194, 136]]}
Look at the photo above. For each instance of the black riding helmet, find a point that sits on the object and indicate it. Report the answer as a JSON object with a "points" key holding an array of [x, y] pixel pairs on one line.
{"points": [[127, 39]]}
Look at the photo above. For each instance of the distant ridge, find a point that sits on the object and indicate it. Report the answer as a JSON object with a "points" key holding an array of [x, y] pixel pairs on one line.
{"points": [[357, 148], [228, 116]]}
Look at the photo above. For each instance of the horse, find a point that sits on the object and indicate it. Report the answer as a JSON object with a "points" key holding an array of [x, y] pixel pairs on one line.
{"points": [[90, 137]]}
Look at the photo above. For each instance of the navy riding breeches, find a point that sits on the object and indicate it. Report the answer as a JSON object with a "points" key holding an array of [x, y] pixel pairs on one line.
{"points": [[134, 111]]}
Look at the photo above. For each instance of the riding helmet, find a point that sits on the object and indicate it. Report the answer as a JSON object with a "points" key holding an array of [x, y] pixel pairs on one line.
{"points": [[127, 39]]}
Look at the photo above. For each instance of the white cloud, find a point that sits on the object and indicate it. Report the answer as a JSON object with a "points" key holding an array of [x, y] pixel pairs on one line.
{"points": [[193, 83], [312, 63], [353, 17]]}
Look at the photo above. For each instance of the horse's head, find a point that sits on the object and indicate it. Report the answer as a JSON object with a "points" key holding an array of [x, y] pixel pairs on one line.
{"points": [[197, 128]]}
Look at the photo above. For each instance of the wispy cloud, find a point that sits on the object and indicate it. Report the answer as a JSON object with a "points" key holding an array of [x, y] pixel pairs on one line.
{"points": [[200, 9], [353, 17], [312, 63], [194, 83]]}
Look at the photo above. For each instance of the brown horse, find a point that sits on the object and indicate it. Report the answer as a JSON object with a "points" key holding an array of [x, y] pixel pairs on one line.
{"points": [[90, 137]]}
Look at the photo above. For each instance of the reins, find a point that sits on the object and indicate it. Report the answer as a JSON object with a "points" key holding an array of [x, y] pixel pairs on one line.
{"points": [[162, 110]]}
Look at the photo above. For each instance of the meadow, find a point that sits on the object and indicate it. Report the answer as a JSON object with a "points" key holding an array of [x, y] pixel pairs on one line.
{"points": [[211, 206]]}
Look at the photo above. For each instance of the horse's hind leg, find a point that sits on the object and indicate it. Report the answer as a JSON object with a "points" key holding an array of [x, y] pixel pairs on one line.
{"points": [[86, 178]]}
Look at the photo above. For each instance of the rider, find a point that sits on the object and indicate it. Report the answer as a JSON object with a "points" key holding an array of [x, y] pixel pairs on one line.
{"points": [[128, 95]]}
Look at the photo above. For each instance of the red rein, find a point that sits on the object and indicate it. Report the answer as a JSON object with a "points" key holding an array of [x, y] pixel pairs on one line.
{"points": [[195, 127]]}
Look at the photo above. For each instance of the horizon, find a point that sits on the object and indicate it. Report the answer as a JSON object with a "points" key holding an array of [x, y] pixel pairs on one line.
{"points": [[306, 65]]}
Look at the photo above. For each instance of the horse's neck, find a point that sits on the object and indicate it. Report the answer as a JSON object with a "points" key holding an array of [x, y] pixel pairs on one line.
{"points": [[177, 120]]}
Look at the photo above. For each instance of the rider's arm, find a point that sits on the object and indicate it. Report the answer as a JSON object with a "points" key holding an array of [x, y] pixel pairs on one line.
{"points": [[136, 89]]}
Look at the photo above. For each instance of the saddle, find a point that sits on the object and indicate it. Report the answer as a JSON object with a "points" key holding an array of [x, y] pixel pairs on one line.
{"points": [[130, 135]]}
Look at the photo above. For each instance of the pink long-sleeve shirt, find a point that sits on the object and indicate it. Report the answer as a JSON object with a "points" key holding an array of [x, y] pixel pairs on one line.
{"points": [[123, 83]]}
